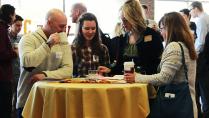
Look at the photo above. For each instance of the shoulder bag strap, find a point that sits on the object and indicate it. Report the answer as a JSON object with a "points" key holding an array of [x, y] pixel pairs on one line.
{"points": [[183, 62]]}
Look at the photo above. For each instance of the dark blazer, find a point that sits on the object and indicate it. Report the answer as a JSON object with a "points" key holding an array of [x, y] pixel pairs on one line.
{"points": [[149, 53]]}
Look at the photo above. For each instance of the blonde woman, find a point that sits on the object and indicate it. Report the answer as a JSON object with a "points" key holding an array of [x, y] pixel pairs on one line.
{"points": [[140, 44]]}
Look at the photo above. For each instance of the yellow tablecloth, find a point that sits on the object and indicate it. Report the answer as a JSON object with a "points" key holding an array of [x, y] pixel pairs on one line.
{"points": [[82, 100]]}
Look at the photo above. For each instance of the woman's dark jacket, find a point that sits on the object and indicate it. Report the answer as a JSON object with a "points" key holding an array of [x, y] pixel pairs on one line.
{"points": [[149, 52]]}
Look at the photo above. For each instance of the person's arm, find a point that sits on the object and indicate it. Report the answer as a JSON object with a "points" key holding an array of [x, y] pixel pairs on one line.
{"points": [[104, 66], [66, 67], [30, 55], [171, 63], [106, 57], [75, 61]]}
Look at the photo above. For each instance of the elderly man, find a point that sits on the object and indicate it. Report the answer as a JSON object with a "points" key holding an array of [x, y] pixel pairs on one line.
{"points": [[43, 53], [77, 10]]}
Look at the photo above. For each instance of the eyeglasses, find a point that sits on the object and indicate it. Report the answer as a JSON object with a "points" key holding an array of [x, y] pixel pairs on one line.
{"points": [[162, 28]]}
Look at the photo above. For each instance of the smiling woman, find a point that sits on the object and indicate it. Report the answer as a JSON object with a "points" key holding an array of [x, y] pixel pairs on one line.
{"points": [[89, 30], [88, 51]]}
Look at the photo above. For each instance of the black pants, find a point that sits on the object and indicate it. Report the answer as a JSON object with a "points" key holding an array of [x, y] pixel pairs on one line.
{"points": [[5, 99], [202, 91], [202, 87]]}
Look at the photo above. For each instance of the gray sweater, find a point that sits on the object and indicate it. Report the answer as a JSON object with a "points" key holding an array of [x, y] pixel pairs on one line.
{"points": [[34, 52], [172, 71]]}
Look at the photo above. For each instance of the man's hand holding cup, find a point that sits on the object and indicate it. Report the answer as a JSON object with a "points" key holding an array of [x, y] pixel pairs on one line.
{"points": [[53, 39]]}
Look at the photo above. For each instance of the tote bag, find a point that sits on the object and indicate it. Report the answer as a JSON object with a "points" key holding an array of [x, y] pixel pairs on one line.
{"points": [[173, 100]]}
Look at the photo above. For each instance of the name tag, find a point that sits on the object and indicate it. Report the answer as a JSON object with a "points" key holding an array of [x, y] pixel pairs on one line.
{"points": [[58, 55], [147, 38], [95, 58], [170, 95]]}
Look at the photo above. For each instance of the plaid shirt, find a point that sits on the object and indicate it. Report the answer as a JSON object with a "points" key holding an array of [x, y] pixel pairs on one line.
{"points": [[88, 61]]}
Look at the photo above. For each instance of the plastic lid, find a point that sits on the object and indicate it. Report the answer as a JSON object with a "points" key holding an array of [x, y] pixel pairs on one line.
{"points": [[129, 63]]}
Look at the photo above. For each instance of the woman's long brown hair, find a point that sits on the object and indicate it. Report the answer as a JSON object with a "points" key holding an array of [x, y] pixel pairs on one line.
{"points": [[178, 30]]}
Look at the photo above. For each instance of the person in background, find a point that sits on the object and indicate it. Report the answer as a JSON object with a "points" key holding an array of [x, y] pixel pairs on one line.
{"points": [[44, 53], [202, 23], [119, 34], [118, 30], [140, 44], [14, 37], [15, 29], [88, 51], [150, 23], [171, 71], [160, 24], [8, 54], [186, 14], [77, 10]]}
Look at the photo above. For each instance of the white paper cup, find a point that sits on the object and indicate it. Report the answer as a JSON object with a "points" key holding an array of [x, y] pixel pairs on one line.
{"points": [[128, 67]]}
